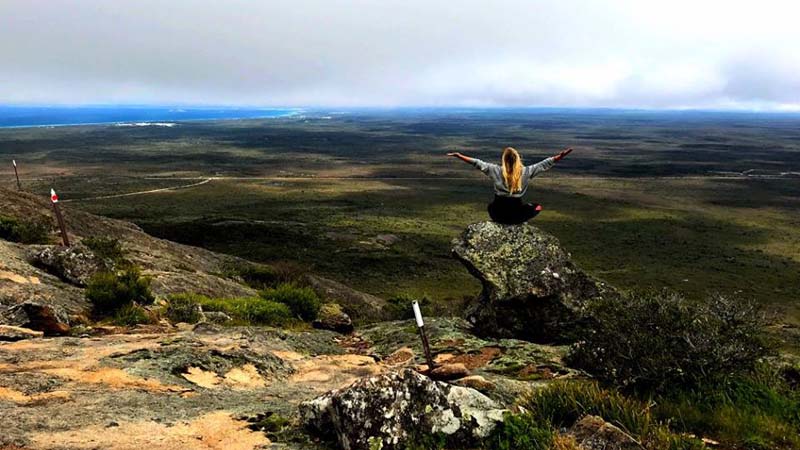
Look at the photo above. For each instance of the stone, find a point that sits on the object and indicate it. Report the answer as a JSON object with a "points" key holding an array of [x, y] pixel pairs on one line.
{"points": [[50, 319], [594, 433], [449, 371], [476, 382], [217, 317], [531, 288], [12, 333], [394, 409], [75, 264], [332, 317]]}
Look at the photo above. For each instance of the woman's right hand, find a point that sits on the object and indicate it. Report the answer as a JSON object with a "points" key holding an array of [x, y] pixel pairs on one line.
{"points": [[456, 154]]}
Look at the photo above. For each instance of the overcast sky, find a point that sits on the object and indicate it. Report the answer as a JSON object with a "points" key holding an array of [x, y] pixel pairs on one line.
{"points": [[638, 53]]}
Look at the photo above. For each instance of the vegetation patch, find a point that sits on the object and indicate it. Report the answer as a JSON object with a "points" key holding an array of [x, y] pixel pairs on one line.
{"points": [[24, 231], [109, 292], [302, 301], [248, 310], [107, 249], [658, 342], [183, 308]]}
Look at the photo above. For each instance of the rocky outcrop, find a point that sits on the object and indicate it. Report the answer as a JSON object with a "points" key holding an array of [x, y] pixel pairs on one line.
{"points": [[395, 409], [332, 317], [75, 264], [531, 288]]}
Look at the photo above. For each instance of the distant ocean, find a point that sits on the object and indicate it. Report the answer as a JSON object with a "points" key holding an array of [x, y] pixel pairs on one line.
{"points": [[39, 116]]}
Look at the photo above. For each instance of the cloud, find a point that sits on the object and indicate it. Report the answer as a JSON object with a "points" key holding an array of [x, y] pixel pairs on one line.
{"points": [[623, 53]]}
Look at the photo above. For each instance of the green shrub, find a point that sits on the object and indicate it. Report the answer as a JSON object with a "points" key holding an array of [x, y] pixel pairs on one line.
{"points": [[183, 308], [25, 232], [521, 432], [109, 291], [249, 310], [108, 249], [130, 315], [302, 301], [661, 342]]}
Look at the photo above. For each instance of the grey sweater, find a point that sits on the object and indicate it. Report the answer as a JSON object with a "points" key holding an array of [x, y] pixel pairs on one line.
{"points": [[495, 172]]}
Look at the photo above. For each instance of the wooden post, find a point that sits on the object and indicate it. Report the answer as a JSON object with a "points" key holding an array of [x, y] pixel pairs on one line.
{"points": [[14, 162], [59, 217], [421, 325]]}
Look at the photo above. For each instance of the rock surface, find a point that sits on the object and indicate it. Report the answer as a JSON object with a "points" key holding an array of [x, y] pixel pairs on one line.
{"points": [[12, 333], [391, 410], [332, 317], [531, 288], [594, 433]]}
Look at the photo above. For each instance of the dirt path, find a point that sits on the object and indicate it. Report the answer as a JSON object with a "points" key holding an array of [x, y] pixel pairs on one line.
{"points": [[150, 191]]}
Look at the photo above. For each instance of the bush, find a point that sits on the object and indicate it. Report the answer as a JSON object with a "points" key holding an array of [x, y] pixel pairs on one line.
{"points": [[249, 310], [302, 301], [25, 232], [108, 292], [108, 249], [132, 314], [661, 342], [521, 432], [183, 308]]}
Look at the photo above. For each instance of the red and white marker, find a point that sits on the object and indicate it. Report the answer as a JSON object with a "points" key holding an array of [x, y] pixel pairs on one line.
{"points": [[59, 217]]}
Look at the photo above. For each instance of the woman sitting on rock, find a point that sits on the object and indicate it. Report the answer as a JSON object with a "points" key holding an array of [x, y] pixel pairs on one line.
{"points": [[511, 180]]}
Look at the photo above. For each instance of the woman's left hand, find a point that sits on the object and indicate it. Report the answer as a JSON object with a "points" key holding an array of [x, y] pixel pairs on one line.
{"points": [[564, 153]]}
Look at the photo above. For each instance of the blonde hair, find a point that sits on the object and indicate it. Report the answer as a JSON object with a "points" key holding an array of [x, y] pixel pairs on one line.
{"points": [[512, 170]]}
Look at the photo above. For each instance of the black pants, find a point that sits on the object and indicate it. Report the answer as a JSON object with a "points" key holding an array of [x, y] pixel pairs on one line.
{"points": [[511, 210]]}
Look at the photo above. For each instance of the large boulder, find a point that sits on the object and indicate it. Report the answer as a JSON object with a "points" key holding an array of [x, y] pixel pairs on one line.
{"points": [[531, 288], [395, 409]]}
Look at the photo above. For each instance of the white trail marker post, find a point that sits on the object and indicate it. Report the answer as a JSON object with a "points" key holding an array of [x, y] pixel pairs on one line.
{"points": [[14, 162], [54, 201], [421, 325]]}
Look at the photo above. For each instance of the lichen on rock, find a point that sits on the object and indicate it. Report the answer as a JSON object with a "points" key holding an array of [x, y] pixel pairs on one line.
{"points": [[391, 410], [531, 288]]}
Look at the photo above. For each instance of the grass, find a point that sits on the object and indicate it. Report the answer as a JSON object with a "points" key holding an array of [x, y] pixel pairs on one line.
{"points": [[246, 310]]}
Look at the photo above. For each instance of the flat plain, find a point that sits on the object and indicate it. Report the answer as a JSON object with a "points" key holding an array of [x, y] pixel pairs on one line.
{"points": [[694, 202]]}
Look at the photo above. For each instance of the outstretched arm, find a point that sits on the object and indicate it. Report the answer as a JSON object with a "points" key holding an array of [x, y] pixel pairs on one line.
{"points": [[548, 163], [480, 165], [464, 158]]}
